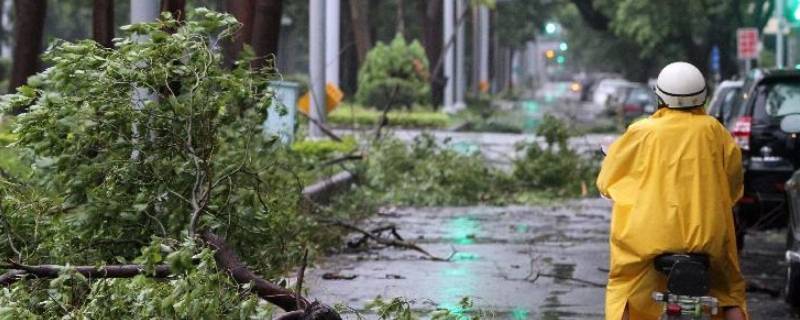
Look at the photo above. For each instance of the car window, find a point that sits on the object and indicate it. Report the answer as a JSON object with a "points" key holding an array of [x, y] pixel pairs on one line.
{"points": [[727, 103], [783, 99], [716, 107], [777, 100], [639, 96]]}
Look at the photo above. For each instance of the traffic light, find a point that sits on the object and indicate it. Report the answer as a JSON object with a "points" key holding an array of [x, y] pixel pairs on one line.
{"points": [[550, 28], [550, 54], [792, 11], [563, 46], [561, 59]]}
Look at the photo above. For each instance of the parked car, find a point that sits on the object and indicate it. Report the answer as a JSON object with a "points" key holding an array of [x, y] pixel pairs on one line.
{"points": [[604, 89], [790, 124], [722, 102], [767, 97], [639, 101]]}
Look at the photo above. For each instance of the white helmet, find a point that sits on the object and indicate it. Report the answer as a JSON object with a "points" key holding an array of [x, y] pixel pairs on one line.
{"points": [[681, 85]]}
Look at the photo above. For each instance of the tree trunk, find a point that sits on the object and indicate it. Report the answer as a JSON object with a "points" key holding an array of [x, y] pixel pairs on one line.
{"points": [[401, 24], [176, 7], [431, 13], [103, 22], [361, 32], [28, 28], [243, 11], [266, 31], [2, 35], [348, 68]]}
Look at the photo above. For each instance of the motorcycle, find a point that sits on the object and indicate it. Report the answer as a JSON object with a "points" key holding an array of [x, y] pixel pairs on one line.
{"points": [[688, 285]]}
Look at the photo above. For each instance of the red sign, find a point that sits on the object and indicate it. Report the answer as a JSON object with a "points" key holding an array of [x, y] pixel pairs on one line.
{"points": [[747, 43]]}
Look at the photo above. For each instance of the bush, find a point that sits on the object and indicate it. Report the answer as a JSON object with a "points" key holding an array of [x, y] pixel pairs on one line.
{"points": [[556, 169], [358, 116], [394, 74], [319, 149], [425, 173]]}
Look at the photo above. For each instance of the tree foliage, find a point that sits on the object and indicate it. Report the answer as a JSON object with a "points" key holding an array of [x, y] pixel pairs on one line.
{"points": [[394, 74], [133, 150], [665, 30]]}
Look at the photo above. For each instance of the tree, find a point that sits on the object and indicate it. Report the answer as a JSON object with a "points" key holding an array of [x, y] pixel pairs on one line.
{"points": [[242, 10], [431, 13], [103, 22], [685, 28], [95, 232], [261, 26], [359, 11], [28, 29], [266, 30], [175, 7]]}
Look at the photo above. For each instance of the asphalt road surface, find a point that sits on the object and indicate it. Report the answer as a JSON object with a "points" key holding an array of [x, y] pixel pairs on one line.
{"points": [[544, 262]]}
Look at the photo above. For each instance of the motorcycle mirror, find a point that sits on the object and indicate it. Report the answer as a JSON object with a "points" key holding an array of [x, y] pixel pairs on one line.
{"points": [[791, 123]]}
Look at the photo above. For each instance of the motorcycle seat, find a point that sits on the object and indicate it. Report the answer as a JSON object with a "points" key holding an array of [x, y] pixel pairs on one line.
{"points": [[687, 273], [665, 262]]}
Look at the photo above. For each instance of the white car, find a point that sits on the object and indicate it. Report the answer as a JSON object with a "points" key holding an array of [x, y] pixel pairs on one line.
{"points": [[604, 89]]}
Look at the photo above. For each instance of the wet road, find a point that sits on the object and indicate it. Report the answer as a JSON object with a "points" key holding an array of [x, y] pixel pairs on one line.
{"points": [[500, 252]]}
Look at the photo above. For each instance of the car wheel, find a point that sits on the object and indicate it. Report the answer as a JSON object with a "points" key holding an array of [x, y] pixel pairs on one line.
{"points": [[792, 288]]}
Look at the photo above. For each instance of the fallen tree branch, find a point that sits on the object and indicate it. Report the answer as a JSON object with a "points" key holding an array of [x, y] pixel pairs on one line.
{"points": [[327, 131], [322, 190], [279, 296], [48, 271], [388, 242], [229, 261], [566, 278], [345, 158]]}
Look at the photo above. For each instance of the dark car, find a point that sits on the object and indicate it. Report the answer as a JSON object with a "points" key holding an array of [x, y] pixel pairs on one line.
{"points": [[767, 96], [791, 125]]}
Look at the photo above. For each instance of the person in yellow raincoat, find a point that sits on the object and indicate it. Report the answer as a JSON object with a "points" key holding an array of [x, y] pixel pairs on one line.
{"points": [[673, 178]]}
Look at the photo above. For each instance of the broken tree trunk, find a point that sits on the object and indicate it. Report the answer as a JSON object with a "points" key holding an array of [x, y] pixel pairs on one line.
{"points": [[297, 306], [323, 190], [279, 296]]}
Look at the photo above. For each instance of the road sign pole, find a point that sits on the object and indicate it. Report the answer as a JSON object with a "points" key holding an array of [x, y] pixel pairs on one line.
{"points": [[779, 45]]}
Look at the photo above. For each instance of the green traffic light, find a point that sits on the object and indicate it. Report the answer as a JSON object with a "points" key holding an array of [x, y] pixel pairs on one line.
{"points": [[792, 11], [550, 28], [561, 59], [563, 46]]}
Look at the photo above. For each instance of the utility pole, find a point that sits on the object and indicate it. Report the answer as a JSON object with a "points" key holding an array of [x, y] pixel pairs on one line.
{"points": [[779, 45], [332, 9], [144, 10], [449, 53], [483, 68], [316, 66], [460, 76]]}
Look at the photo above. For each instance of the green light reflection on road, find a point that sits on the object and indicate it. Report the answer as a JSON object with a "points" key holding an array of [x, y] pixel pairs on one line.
{"points": [[519, 314], [462, 230]]}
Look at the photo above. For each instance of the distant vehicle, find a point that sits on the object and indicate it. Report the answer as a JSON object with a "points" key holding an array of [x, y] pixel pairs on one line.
{"points": [[722, 102], [767, 97], [790, 124], [638, 102], [604, 89]]}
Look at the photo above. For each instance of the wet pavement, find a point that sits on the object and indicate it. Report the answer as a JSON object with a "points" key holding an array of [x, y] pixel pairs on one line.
{"points": [[499, 251]]}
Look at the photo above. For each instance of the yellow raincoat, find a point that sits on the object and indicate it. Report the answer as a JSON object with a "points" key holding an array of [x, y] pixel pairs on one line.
{"points": [[674, 178]]}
